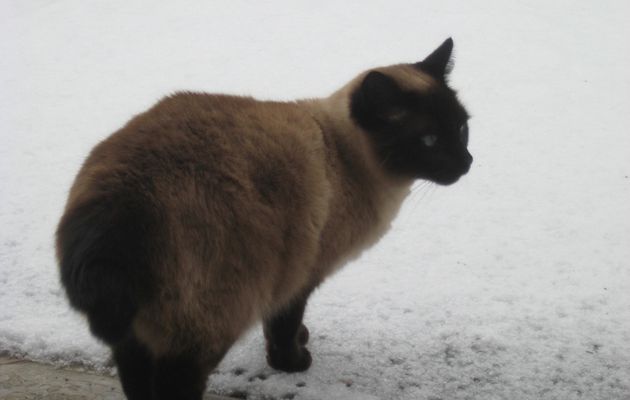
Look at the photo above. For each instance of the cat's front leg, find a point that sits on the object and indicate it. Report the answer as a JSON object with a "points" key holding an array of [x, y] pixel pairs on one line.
{"points": [[286, 338]]}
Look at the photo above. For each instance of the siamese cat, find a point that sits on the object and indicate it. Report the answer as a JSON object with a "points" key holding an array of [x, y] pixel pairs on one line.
{"points": [[208, 213]]}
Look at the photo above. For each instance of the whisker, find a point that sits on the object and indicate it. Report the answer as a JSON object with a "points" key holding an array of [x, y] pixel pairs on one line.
{"points": [[417, 189], [420, 192]]}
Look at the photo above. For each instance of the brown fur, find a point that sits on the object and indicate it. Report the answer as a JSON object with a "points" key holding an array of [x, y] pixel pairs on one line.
{"points": [[258, 201]]}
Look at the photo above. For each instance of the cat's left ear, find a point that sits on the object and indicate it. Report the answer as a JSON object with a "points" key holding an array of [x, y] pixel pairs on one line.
{"points": [[438, 64]]}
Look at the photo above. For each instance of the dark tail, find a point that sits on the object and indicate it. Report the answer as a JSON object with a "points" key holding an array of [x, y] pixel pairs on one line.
{"points": [[104, 255]]}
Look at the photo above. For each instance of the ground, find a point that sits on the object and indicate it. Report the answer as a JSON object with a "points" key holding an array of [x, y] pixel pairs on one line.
{"points": [[24, 380], [511, 284]]}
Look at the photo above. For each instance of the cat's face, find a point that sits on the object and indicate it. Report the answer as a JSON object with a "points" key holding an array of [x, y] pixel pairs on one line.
{"points": [[418, 127]]}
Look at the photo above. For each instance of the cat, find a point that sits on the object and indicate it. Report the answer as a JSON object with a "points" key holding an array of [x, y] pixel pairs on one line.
{"points": [[208, 213]]}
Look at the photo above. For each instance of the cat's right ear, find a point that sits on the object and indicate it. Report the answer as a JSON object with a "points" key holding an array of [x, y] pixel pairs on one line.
{"points": [[439, 63], [378, 98]]}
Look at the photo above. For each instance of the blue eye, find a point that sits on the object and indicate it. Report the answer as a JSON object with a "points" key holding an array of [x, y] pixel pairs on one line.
{"points": [[463, 133], [429, 140]]}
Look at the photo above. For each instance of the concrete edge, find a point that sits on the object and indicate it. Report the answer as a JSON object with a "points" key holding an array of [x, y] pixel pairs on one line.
{"points": [[23, 379]]}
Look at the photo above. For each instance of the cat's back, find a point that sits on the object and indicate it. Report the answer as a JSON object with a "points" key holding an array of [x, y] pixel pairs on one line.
{"points": [[208, 127], [207, 139], [198, 156]]}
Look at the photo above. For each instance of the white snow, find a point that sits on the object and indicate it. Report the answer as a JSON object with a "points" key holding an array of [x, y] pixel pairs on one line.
{"points": [[511, 284]]}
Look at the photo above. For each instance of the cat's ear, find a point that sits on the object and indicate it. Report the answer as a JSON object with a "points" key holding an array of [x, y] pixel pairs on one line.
{"points": [[379, 96], [438, 63]]}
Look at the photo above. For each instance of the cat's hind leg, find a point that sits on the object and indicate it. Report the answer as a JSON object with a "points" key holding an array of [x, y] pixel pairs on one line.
{"points": [[183, 376], [178, 377], [286, 338], [135, 368]]}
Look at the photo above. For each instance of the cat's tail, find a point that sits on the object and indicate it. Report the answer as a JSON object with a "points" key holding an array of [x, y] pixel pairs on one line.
{"points": [[104, 252]]}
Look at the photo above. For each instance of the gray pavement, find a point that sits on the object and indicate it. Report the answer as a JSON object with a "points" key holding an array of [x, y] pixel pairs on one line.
{"points": [[25, 380]]}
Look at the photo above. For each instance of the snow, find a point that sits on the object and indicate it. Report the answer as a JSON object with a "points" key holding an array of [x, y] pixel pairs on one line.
{"points": [[511, 284]]}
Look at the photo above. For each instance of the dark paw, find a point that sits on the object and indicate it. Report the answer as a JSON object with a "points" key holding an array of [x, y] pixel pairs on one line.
{"points": [[303, 335], [296, 359]]}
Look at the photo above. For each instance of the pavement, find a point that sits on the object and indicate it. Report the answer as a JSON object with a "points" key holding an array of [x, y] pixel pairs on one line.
{"points": [[25, 380]]}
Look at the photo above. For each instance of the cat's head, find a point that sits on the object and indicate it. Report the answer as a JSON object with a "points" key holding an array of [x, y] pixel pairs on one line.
{"points": [[414, 119]]}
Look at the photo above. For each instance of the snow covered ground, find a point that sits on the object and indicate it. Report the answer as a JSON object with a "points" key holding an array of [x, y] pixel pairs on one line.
{"points": [[512, 284]]}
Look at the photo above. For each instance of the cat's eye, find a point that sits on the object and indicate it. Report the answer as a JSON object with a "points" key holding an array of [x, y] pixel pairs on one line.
{"points": [[463, 133], [429, 140]]}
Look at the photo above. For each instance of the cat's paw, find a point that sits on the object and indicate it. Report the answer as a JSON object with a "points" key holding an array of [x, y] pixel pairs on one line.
{"points": [[296, 359], [303, 335]]}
